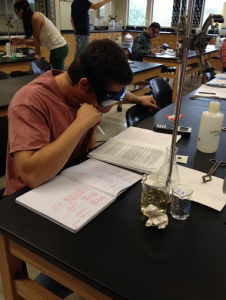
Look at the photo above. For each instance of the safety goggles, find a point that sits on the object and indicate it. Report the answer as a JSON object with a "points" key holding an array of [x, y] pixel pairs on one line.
{"points": [[111, 98]]}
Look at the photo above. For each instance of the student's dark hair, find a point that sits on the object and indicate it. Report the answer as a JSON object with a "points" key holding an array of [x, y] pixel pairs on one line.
{"points": [[104, 63], [155, 25], [26, 17]]}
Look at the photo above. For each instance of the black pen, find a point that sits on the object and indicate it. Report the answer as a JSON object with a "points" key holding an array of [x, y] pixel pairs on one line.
{"points": [[207, 93]]}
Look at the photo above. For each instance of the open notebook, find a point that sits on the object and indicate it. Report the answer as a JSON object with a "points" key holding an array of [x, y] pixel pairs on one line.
{"points": [[79, 193]]}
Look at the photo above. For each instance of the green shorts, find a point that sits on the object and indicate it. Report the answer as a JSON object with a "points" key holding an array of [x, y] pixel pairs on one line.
{"points": [[57, 57]]}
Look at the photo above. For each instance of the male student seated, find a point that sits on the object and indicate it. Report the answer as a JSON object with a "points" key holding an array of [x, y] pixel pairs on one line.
{"points": [[142, 42], [52, 119]]}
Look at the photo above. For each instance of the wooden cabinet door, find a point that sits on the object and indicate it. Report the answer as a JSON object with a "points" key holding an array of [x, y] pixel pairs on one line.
{"points": [[69, 59], [45, 53]]}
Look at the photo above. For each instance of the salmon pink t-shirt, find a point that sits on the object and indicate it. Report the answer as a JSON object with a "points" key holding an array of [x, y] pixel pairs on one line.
{"points": [[38, 114]]}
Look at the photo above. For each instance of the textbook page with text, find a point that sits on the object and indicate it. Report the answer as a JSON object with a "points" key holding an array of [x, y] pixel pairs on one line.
{"points": [[135, 148], [142, 157]]}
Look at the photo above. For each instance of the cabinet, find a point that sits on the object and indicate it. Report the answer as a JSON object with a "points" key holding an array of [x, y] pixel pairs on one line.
{"points": [[70, 39], [44, 53], [158, 41], [165, 38], [3, 48]]}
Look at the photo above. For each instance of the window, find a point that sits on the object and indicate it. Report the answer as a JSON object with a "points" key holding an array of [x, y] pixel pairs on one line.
{"points": [[137, 12], [162, 12], [212, 7]]}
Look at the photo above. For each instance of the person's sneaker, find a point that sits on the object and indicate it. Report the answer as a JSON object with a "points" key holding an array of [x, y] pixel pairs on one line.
{"points": [[74, 296]]}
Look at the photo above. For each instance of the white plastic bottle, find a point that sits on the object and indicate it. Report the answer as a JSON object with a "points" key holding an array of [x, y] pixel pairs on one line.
{"points": [[8, 49], [210, 129], [217, 42], [128, 39]]}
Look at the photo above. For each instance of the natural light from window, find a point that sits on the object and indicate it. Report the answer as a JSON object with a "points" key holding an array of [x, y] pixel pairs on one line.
{"points": [[212, 7], [162, 12], [137, 12]]}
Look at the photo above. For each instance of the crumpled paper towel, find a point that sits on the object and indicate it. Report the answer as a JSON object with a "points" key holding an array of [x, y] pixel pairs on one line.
{"points": [[156, 217]]}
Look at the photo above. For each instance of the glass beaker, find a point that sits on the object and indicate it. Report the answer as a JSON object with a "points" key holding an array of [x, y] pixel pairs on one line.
{"points": [[165, 167], [181, 202], [156, 191]]}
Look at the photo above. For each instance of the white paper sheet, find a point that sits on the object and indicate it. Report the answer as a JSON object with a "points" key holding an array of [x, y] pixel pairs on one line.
{"points": [[220, 75], [209, 193], [147, 136], [217, 82], [211, 92]]}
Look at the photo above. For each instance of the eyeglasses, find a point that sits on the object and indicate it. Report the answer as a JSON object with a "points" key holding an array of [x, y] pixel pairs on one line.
{"points": [[110, 98], [155, 34]]}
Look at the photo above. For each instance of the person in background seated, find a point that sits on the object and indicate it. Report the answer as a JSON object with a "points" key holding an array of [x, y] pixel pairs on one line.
{"points": [[52, 119], [80, 22], [142, 42], [222, 53], [43, 31]]}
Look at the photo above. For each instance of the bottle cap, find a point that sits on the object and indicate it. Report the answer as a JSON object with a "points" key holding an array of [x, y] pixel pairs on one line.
{"points": [[214, 107]]}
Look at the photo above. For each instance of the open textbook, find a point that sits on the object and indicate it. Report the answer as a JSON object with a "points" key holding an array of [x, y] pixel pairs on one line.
{"points": [[135, 148], [79, 193]]}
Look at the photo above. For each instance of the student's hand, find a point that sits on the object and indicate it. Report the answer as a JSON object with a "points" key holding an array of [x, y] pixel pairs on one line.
{"points": [[148, 101], [17, 41], [161, 50], [155, 50], [88, 116], [37, 56]]}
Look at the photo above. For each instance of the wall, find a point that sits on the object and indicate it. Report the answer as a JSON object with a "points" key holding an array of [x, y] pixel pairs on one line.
{"points": [[8, 10], [121, 7]]}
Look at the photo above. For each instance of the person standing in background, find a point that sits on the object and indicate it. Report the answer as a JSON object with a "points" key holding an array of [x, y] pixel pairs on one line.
{"points": [[142, 42], [80, 22], [43, 30], [222, 53]]}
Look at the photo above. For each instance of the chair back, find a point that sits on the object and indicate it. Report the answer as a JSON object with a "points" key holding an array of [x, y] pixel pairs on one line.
{"points": [[4, 75], [40, 66], [130, 53], [210, 75], [26, 51], [161, 91], [138, 113], [3, 143]]}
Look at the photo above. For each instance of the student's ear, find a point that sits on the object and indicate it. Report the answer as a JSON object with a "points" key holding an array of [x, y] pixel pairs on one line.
{"points": [[84, 85]]}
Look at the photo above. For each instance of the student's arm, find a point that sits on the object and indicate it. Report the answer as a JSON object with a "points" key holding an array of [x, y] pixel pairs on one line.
{"points": [[143, 100], [72, 24], [222, 53], [99, 4], [28, 42], [37, 21], [37, 167]]}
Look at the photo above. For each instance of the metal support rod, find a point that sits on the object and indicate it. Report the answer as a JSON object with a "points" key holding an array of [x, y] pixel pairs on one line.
{"points": [[182, 73]]}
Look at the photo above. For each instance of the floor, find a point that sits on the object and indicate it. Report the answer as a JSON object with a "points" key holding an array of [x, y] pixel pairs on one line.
{"points": [[112, 123]]}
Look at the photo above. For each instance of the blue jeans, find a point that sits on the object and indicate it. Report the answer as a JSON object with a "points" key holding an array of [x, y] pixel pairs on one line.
{"points": [[52, 286], [82, 41]]}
